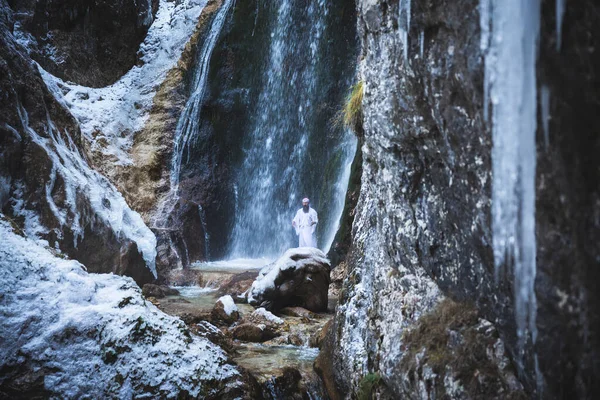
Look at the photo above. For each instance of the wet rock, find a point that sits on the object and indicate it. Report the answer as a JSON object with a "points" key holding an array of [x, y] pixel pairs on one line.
{"points": [[184, 277], [337, 276], [214, 334], [187, 311], [317, 339], [296, 312], [225, 311], [298, 278], [423, 220], [158, 291], [238, 285], [249, 332], [92, 43], [285, 386], [53, 190]]}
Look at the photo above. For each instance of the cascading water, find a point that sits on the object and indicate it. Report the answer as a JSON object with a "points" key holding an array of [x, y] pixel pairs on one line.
{"points": [[511, 52], [281, 164], [189, 120]]}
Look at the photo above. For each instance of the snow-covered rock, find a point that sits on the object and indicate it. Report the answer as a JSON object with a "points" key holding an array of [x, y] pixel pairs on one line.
{"points": [[94, 335], [225, 310], [228, 304], [300, 277]]}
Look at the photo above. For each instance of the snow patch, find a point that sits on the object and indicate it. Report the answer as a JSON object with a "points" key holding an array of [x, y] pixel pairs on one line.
{"points": [[269, 316], [94, 335]]}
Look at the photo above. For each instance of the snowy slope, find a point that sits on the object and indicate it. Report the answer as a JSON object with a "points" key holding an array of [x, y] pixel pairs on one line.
{"points": [[111, 115], [94, 335]]}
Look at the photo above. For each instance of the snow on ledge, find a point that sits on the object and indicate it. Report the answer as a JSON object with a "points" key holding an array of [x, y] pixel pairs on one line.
{"points": [[94, 335], [121, 109]]}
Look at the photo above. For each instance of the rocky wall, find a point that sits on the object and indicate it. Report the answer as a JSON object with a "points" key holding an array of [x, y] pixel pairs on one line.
{"points": [[422, 230]]}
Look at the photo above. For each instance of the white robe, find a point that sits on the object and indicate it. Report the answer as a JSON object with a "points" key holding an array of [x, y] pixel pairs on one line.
{"points": [[306, 224]]}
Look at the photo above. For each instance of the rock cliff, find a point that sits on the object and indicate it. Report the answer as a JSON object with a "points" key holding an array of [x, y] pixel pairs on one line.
{"points": [[47, 184], [422, 230]]}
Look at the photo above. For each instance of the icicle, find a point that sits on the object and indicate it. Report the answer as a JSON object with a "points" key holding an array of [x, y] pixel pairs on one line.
{"points": [[511, 76], [421, 43], [560, 13], [545, 100], [404, 25], [202, 215]]}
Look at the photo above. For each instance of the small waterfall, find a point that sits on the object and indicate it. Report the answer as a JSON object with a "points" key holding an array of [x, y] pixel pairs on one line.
{"points": [[189, 120], [279, 155], [511, 46]]}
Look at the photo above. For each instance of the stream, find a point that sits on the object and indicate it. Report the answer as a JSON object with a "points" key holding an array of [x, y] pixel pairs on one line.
{"points": [[282, 365]]}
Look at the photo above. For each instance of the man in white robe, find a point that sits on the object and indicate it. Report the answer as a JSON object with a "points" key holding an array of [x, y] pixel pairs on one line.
{"points": [[305, 223]]}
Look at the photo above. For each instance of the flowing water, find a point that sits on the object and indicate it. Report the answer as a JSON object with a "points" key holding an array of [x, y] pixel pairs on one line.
{"points": [[189, 121], [281, 165]]}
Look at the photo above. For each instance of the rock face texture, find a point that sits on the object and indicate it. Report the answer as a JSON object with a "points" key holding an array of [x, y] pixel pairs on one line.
{"points": [[92, 43], [422, 229], [46, 183], [300, 277]]}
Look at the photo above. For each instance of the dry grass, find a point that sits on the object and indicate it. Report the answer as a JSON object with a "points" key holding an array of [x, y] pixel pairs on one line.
{"points": [[351, 115]]}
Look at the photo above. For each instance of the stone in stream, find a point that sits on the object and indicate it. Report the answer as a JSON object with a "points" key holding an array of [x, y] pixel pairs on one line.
{"points": [[158, 291], [225, 311], [298, 278], [238, 285], [249, 332], [185, 277]]}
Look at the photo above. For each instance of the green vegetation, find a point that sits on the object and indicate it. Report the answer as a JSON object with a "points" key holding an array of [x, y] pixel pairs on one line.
{"points": [[366, 386], [351, 115]]}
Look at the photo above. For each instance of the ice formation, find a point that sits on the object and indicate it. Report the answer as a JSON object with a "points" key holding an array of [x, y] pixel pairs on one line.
{"points": [[404, 25], [560, 13], [511, 85], [94, 335], [78, 178]]}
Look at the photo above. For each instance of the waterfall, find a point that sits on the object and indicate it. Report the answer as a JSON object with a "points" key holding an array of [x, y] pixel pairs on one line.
{"points": [[511, 46], [281, 164], [189, 120]]}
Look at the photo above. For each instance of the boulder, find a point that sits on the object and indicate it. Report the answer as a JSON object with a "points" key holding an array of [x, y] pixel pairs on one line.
{"points": [[248, 333], [225, 310], [184, 276], [158, 291], [298, 278], [239, 284]]}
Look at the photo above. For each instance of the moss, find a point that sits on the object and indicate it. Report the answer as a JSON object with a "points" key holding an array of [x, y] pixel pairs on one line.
{"points": [[431, 332], [466, 355], [367, 386], [14, 225]]}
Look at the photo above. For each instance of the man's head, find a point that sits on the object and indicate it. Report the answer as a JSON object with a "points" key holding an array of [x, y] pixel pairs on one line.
{"points": [[305, 203]]}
